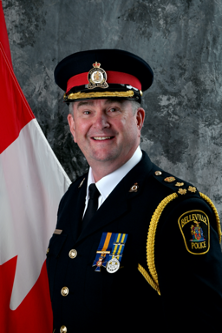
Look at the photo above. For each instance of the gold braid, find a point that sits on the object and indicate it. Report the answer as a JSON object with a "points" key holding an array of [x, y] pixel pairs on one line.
{"points": [[148, 278], [83, 95], [215, 212], [150, 244]]}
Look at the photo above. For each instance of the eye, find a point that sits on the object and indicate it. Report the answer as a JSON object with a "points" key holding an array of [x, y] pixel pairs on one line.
{"points": [[112, 110], [86, 112]]}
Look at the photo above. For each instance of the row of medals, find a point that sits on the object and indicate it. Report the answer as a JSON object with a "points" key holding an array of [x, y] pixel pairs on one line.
{"points": [[112, 265]]}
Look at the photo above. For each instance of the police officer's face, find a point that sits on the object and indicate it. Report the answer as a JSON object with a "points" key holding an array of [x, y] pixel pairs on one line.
{"points": [[107, 131]]}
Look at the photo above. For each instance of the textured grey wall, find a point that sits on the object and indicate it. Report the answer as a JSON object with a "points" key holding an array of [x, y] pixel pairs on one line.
{"points": [[180, 39]]}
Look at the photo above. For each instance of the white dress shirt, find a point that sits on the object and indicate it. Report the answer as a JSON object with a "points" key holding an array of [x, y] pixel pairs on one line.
{"points": [[107, 184]]}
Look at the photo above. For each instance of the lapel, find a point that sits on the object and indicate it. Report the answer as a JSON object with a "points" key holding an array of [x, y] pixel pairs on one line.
{"points": [[118, 201], [76, 209]]}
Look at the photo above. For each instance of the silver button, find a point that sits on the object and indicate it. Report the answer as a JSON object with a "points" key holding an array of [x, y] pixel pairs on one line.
{"points": [[63, 329], [158, 173]]}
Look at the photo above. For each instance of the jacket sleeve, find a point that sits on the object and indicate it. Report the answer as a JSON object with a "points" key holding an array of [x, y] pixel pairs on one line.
{"points": [[189, 267]]}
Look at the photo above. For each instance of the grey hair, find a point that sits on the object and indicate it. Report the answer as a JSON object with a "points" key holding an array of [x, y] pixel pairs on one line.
{"points": [[135, 106], [71, 105]]}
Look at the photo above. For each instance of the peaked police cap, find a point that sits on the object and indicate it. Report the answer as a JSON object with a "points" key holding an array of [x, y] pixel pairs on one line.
{"points": [[103, 73]]}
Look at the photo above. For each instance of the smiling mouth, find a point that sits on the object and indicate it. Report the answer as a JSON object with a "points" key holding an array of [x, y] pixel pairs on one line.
{"points": [[100, 138]]}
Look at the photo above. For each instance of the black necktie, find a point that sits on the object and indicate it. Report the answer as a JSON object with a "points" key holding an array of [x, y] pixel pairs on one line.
{"points": [[92, 205]]}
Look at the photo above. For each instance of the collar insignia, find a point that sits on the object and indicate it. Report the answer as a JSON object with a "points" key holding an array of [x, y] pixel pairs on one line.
{"points": [[134, 188], [81, 182]]}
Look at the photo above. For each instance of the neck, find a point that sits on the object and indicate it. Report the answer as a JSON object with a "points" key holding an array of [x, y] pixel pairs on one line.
{"points": [[101, 169]]}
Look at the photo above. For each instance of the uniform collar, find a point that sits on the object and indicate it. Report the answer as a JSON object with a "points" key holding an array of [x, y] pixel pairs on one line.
{"points": [[107, 184]]}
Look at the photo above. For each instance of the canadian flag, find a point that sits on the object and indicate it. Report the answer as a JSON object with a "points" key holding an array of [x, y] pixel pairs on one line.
{"points": [[32, 183]]}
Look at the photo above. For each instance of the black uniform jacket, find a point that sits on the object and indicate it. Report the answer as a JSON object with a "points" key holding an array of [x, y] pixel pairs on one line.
{"points": [[188, 274]]}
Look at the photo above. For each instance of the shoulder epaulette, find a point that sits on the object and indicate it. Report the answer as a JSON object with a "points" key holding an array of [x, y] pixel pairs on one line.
{"points": [[184, 188], [176, 185]]}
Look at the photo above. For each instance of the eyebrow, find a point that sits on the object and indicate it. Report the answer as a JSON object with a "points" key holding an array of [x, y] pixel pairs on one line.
{"points": [[84, 103], [108, 101], [113, 100]]}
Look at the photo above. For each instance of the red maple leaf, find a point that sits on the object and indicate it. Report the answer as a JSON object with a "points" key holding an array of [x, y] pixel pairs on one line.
{"points": [[34, 314]]}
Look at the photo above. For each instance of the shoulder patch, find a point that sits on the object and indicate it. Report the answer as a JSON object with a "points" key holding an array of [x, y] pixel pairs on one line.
{"points": [[195, 229]]}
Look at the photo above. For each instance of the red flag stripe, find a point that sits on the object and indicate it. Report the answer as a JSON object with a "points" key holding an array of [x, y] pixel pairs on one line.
{"points": [[4, 35], [11, 122]]}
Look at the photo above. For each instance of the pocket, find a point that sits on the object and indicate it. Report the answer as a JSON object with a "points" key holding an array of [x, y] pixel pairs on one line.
{"points": [[55, 244], [102, 289]]}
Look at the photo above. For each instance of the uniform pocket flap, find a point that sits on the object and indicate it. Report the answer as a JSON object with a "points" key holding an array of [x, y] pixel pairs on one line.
{"points": [[55, 244]]}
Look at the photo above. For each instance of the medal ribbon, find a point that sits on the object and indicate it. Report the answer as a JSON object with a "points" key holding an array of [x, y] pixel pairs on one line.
{"points": [[118, 246], [103, 249], [106, 243], [111, 245]]}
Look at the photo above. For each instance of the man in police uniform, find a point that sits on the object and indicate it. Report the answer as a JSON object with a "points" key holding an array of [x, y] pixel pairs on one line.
{"points": [[134, 247]]}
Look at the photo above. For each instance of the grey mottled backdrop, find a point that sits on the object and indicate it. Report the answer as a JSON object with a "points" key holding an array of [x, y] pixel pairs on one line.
{"points": [[180, 39]]}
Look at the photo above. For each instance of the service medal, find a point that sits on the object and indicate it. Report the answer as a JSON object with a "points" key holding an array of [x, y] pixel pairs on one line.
{"points": [[113, 265], [100, 261], [110, 251]]}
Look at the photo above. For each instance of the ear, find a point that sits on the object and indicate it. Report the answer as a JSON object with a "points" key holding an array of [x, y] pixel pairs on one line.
{"points": [[140, 116], [71, 125]]}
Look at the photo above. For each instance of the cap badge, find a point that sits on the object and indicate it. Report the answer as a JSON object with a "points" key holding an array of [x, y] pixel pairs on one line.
{"points": [[97, 77]]}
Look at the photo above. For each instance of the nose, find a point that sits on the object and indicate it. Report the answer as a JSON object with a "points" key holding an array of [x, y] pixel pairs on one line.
{"points": [[101, 120]]}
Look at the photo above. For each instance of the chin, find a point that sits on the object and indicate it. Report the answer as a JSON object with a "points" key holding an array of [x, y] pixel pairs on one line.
{"points": [[104, 156]]}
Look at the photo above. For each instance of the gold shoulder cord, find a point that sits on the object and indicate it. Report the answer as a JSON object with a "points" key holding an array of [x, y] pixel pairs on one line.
{"points": [[150, 245], [215, 212]]}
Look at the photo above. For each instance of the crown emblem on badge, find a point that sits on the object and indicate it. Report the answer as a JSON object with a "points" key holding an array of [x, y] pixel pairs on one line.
{"points": [[97, 77], [96, 65]]}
